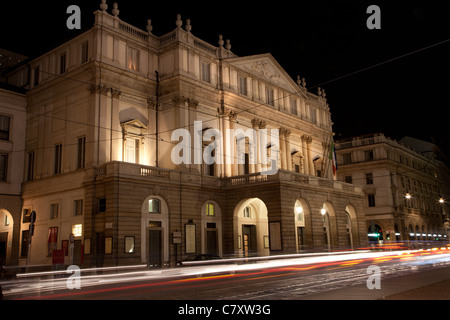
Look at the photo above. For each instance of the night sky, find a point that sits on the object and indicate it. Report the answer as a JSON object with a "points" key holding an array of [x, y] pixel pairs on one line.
{"points": [[375, 80]]}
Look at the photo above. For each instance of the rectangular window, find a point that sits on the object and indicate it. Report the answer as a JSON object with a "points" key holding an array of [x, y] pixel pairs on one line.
{"points": [[3, 167], [84, 52], [293, 106], [62, 63], [243, 86], [369, 178], [347, 157], [348, 179], [132, 150], [247, 212], [102, 205], [206, 72], [371, 200], [52, 239], [314, 115], [58, 158], [26, 216], [5, 122], [54, 211], [37, 73], [81, 155], [210, 209], [77, 230], [368, 155], [154, 206], [133, 59], [78, 207], [269, 97], [30, 169]]}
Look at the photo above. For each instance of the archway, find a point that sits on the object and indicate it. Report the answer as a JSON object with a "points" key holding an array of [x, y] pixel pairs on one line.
{"points": [[350, 220], [155, 232], [211, 228], [301, 210], [327, 212], [374, 232], [6, 235], [251, 228]]}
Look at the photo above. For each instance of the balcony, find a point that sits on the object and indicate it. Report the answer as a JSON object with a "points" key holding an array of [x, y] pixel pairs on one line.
{"points": [[147, 173]]}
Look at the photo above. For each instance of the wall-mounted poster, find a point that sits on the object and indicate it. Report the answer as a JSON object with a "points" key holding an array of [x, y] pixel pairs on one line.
{"points": [[190, 238], [108, 245]]}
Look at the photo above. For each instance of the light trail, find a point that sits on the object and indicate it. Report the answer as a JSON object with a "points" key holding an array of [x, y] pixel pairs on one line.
{"points": [[40, 284]]}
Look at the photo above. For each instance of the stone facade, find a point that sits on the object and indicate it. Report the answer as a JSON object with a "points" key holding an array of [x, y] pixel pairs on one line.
{"points": [[402, 188], [103, 108], [12, 145]]}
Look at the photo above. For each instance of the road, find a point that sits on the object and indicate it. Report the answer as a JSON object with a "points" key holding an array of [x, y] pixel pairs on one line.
{"points": [[339, 276]]}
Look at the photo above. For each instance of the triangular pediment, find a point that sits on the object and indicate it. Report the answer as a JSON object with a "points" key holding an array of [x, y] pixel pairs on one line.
{"points": [[265, 67]]}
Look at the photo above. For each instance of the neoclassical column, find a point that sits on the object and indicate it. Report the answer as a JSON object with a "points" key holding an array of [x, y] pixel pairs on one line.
{"points": [[288, 150], [283, 148], [310, 162], [261, 147], [305, 160], [306, 144], [233, 146]]}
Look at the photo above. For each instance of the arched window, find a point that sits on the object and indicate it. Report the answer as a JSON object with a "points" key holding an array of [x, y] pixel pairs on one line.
{"points": [[154, 206], [210, 210], [247, 212]]}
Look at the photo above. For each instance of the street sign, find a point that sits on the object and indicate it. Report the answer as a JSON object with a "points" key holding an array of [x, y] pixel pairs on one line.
{"points": [[71, 238]]}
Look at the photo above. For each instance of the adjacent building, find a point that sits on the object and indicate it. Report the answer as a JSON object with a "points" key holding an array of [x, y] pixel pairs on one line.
{"points": [[403, 187], [12, 146], [103, 110]]}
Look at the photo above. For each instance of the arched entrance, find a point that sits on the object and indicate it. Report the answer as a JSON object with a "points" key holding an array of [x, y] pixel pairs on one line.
{"points": [[251, 228], [6, 234], [350, 215], [301, 209], [211, 228], [374, 233], [327, 212], [155, 232]]}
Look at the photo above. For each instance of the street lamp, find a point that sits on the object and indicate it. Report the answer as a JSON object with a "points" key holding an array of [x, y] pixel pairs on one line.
{"points": [[441, 200], [323, 211], [299, 209], [408, 196]]}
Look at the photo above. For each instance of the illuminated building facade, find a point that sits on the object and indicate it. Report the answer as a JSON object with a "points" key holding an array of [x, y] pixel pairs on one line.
{"points": [[12, 144], [403, 187], [102, 109]]}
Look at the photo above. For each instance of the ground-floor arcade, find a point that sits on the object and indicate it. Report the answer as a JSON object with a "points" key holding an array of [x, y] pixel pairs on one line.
{"points": [[161, 217]]}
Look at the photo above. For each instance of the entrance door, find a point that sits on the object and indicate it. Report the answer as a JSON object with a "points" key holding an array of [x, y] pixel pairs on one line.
{"points": [[154, 249], [3, 247], [300, 238], [211, 242], [100, 249], [249, 238], [77, 253]]}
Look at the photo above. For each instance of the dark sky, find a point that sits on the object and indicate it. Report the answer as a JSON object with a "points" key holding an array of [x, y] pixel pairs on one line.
{"points": [[327, 42]]}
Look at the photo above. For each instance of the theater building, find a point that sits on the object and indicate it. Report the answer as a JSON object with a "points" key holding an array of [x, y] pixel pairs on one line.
{"points": [[102, 111]]}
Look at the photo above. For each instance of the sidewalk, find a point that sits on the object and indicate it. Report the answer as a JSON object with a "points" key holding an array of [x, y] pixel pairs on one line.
{"points": [[426, 285]]}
